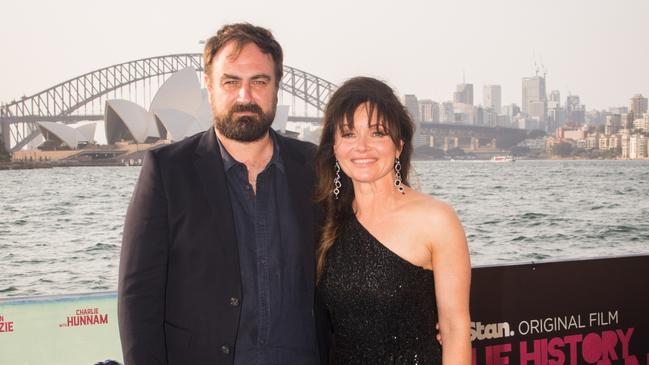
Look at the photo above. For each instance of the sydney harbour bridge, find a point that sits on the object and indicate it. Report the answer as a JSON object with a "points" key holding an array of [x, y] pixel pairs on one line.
{"points": [[83, 98]]}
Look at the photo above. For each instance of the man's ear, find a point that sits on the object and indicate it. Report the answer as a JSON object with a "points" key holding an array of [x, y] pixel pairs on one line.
{"points": [[208, 83]]}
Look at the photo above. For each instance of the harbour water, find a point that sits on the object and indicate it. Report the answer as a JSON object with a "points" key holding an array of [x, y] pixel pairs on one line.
{"points": [[60, 228]]}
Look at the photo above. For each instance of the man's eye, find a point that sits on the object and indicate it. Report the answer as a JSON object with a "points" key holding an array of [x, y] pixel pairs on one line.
{"points": [[259, 82]]}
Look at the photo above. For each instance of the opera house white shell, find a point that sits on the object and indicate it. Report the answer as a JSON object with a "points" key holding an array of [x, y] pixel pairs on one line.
{"points": [[58, 134], [179, 109]]}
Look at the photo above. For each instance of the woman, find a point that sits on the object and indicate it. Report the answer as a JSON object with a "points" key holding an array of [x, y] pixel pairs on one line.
{"points": [[392, 261]]}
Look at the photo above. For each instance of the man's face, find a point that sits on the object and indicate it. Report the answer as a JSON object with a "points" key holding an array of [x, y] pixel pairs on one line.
{"points": [[242, 91]]}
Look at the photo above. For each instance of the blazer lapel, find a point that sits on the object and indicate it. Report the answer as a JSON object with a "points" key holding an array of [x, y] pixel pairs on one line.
{"points": [[300, 185], [209, 167]]}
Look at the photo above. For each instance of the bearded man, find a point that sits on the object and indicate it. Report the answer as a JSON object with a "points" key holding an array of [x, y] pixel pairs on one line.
{"points": [[218, 252]]}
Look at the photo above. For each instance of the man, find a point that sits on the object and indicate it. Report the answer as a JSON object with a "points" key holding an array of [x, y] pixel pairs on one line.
{"points": [[217, 263]]}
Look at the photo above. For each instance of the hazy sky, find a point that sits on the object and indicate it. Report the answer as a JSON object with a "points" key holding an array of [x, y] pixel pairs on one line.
{"points": [[596, 49]]}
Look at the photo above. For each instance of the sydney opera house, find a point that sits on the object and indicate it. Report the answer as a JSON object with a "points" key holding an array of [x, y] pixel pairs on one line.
{"points": [[179, 109]]}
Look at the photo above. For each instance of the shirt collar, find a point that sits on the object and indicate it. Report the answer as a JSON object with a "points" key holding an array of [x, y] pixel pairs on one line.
{"points": [[229, 161]]}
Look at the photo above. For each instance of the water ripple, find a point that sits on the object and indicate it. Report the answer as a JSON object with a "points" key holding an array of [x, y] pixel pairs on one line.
{"points": [[61, 232]]}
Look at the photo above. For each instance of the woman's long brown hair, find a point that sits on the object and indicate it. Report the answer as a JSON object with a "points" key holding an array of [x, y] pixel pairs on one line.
{"points": [[391, 114]]}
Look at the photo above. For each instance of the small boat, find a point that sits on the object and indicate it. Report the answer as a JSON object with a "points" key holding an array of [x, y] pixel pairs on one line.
{"points": [[503, 158]]}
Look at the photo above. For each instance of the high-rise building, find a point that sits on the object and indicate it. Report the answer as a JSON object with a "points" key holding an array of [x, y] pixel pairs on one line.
{"points": [[638, 105], [511, 110], [428, 111], [492, 97], [412, 105], [446, 112], [613, 123], [575, 111], [533, 91], [463, 94], [554, 100]]}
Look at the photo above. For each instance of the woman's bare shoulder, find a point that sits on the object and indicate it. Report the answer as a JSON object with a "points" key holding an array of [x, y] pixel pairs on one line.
{"points": [[428, 208], [433, 217]]}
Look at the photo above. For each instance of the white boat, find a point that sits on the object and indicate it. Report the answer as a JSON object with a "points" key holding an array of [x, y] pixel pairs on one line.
{"points": [[503, 158]]}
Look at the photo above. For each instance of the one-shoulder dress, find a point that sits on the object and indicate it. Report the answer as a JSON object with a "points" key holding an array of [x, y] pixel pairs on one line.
{"points": [[381, 307]]}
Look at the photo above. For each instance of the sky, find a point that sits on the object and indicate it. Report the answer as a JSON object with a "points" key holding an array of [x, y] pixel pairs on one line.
{"points": [[597, 49]]}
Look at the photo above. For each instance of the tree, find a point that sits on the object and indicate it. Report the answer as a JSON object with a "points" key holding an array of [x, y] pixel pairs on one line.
{"points": [[4, 155], [518, 151], [536, 133], [563, 149]]}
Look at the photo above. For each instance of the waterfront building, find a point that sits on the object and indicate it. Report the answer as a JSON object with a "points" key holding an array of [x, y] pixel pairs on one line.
{"points": [[624, 143], [58, 136], [637, 146], [592, 141], [602, 143], [581, 143], [638, 105], [615, 142], [575, 134], [613, 123], [463, 94], [492, 97], [429, 111], [642, 123]]}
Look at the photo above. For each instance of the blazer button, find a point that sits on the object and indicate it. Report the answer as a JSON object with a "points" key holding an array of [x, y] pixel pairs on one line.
{"points": [[234, 301], [225, 349]]}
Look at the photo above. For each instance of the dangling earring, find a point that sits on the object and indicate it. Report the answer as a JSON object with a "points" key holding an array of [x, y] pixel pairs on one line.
{"points": [[397, 180], [337, 183]]}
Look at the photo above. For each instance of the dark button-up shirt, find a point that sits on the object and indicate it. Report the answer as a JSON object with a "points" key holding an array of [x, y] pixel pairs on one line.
{"points": [[276, 323]]}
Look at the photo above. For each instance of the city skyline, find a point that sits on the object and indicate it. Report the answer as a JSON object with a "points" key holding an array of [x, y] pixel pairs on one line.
{"points": [[418, 48]]}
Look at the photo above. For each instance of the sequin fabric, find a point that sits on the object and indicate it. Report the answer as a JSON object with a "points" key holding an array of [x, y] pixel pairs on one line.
{"points": [[382, 307]]}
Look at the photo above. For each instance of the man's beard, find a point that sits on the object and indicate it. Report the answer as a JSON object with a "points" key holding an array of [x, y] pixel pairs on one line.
{"points": [[246, 128]]}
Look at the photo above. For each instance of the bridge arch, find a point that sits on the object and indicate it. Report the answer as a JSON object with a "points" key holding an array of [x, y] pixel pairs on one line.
{"points": [[63, 102]]}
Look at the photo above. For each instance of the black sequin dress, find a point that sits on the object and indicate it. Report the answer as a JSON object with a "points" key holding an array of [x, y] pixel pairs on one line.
{"points": [[382, 307]]}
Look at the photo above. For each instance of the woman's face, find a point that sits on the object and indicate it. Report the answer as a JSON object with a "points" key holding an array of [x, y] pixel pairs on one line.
{"points": [[365, 152]]}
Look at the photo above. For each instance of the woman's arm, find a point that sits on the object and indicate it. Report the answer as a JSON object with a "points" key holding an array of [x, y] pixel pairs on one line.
{"points": [[452, 270]]}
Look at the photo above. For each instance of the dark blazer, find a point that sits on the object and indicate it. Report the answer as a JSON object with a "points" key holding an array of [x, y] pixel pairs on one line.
{"points": [[179, 281]]}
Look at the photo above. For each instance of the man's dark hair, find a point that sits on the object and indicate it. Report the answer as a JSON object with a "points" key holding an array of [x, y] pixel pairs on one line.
{"points": [[242, 34]]}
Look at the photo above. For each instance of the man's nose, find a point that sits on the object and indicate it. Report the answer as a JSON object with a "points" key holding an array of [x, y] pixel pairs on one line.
{"points": [[244, 94]]}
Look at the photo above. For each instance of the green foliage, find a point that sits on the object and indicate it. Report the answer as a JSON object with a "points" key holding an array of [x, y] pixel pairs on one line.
{"points": [[562, 149], [4, 155], [518, 151], [536, 133]]}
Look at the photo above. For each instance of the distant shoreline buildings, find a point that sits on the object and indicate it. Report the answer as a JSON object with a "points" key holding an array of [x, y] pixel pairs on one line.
{"points": [[180, 109]]}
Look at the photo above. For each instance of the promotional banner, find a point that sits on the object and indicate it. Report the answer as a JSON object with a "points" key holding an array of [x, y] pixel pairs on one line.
{"points": [[551, 313], [556, 313], [66, 330]]}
